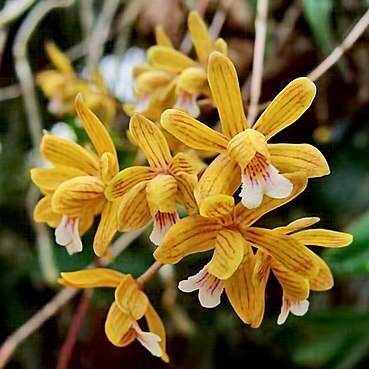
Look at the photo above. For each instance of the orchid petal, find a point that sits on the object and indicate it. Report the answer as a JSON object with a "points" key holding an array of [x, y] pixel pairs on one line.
{"points": [[90, 278], [151, 141], [161, 194], [222, 176], [98, 134], [61, 152], [228, 254], [217, 206], [291, 253], [226, 94], [286, 107], [50, 178], [239, 288], [200, 36], [127, 179], [66, 234], [169, 59], [117, 325], [290, 158], [134, 212], [190, 235], [72, 196], [192, 132], [107, 228], [43, 212], [323, 238], [156, 326], [130, 299]]}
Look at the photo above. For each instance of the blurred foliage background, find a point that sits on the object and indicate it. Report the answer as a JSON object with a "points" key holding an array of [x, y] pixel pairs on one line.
{"points": [[301, 33]]}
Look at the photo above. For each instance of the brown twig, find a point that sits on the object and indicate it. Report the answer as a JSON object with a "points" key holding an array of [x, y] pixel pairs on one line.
{"points": [[258, 59], [356, 31], [33, 324], [86, 16], [71, 338], [219, 19], [100, 32], [22, 65], [334, 56]]}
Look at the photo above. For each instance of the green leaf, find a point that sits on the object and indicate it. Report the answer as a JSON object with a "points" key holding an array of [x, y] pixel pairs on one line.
{"points": [[318, 15], [321, 346]]}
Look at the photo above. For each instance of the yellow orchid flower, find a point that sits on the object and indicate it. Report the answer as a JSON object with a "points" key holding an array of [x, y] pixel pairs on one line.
{"points": [[295, 288], [74, 188], [228, 230], [172, 79], [62, 85], [130, 305], [245, 156], [191, 82], [62, 153], [154, 191]]}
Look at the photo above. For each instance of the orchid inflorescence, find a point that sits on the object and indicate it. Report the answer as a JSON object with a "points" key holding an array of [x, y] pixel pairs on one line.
{"points": [[193, 203]]}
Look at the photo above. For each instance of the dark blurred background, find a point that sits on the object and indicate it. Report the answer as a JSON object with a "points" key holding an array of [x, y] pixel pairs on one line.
{"points": [[335, 332]]}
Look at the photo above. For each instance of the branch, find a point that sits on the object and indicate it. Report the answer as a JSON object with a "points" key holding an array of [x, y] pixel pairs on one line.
{"points": [[23, 68], [258, 59], [219, 19], [145, 277], [13, 10], [100, 33], [334, 56], [33, 324], [71, 338]]}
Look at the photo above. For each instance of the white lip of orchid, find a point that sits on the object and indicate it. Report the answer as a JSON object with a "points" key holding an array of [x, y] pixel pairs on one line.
{"points": [[210, 287], [143, 104], [188, 103], [298, 308], [148, 340], [270, 183], [66, 234], [162, 223]]}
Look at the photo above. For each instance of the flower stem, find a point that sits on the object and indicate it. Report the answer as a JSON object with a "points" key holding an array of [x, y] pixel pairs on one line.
{"points": [[145, 277]]}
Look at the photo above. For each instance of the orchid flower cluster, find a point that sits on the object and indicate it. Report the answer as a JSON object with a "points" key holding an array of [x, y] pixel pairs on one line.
{"points": [[193, 210]]}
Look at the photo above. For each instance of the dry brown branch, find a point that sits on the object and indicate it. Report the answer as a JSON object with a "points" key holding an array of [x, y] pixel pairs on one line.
{"points": [[125, 23], [356, 31], [23, 68], [219, 19], [258, 60], [86, 16], [72, 335], [33, 324], [334, 56]]}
